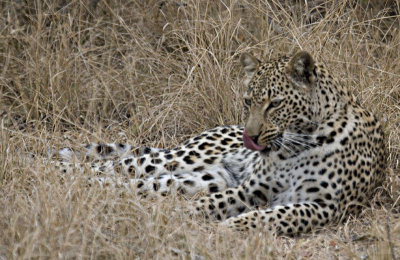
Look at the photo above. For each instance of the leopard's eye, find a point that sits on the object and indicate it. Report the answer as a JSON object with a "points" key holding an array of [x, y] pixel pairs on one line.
{"points": [[247, 101], [274, 104]]}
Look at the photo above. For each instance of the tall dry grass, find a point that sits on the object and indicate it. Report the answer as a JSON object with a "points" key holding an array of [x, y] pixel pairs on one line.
{"points": [[154, 73]]}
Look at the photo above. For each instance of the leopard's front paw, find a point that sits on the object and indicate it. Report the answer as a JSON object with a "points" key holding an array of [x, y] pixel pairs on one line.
{"points": [[236, 223], [205, 207]]}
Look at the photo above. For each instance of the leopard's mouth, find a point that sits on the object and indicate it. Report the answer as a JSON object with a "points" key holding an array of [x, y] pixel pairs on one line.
{"points": [[250, 143], [276, 143], [273, 145]]}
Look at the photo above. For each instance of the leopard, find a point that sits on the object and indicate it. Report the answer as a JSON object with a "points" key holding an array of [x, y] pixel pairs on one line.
{"points": [[308, 155]]}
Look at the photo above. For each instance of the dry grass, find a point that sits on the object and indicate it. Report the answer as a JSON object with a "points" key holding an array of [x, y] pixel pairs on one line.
{"points": [[155, 72]]}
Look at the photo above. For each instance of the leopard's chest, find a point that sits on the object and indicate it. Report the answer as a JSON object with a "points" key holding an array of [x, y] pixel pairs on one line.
{"points": [[309, 176]]}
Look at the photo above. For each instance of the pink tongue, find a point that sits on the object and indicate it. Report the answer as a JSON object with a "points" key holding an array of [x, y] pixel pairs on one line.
{"points": [[250, 144]]}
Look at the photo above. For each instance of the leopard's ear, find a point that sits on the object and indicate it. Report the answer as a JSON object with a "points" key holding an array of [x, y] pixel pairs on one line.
{"points": [[300, 70], [249, 63]]}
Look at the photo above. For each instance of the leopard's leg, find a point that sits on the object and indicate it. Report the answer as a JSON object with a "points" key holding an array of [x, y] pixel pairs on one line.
{"points": [[211, 180], [286, 219], [188, 184], [198, 154], [231, 171], [209, 162], [252, 193]]}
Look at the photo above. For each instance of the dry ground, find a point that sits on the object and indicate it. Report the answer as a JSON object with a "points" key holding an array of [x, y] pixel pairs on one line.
{"points": [[154, 73]]}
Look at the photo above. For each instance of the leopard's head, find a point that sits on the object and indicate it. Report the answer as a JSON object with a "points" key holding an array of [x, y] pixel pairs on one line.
{"points": [[278, 99]]}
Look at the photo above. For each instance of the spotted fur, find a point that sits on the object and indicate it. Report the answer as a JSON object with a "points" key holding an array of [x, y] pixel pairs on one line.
{"points": [[210, 162], [316, 156]]}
